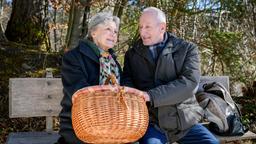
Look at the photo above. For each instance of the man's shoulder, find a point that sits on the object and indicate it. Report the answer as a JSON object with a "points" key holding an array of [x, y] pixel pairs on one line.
{"points": [[135, 46], [138, 43], [180, 42]]}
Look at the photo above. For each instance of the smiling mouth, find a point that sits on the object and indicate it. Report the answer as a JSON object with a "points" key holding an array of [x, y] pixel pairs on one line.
{"points": [[110, 41], [145, 37]]}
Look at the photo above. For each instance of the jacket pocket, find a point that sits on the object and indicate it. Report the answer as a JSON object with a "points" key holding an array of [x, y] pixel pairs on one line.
{"points": [[167, 118], [188, 116]]}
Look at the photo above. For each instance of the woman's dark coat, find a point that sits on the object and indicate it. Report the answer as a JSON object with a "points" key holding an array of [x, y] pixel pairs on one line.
{"points": [[80, 68]]}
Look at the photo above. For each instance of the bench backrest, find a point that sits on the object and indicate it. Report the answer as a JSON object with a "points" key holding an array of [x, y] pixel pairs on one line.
{"points": [[224, 80], [33, 97]]}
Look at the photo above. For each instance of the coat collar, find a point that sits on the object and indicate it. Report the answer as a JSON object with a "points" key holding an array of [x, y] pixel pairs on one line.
{"points": [[171, 46], [87, 48]]}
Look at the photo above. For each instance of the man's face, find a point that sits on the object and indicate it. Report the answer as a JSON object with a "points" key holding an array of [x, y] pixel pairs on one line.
{"points": [[151, 30]]}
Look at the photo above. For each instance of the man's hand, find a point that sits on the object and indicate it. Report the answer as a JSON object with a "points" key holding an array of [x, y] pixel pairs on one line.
{"points": [[146, 96]]}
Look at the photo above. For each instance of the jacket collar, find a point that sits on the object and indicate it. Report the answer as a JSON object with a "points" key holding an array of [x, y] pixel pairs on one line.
{"points": [[88, 48], [172, 44], [171, 47]]}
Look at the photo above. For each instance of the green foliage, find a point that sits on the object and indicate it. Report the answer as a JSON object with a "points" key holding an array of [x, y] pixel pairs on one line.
{"points": [[236, 8], [248, 108], [225, 45], [223, 52], [128, 32], [32, 32], [129, 29]]}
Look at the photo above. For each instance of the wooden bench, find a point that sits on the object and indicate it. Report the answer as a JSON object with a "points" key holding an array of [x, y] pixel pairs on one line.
{"points": [[37, 97]]}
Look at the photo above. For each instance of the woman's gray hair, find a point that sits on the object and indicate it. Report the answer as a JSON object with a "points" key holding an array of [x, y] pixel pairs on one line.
{"points": [[160, 14], [101, 18]]}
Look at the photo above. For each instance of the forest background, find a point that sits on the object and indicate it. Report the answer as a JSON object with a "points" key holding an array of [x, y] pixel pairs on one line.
{"points": [[34, 34]]}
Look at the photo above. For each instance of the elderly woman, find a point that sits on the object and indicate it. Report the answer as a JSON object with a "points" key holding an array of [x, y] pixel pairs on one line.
{"points": [[90, 63]]}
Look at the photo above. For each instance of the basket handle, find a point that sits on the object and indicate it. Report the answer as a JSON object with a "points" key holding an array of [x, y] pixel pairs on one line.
{"points": [[111, 78], [121, 97], [121, 91]]}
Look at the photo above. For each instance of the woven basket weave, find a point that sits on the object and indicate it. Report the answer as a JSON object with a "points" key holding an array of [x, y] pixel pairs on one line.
{"points": [[109, 114]]}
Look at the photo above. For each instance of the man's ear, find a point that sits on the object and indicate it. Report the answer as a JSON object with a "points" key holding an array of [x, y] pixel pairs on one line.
{"points": [[163, 27]]}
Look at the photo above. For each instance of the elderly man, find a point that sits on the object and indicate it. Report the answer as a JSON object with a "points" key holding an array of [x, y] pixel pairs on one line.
{"points": [[167, 69]]}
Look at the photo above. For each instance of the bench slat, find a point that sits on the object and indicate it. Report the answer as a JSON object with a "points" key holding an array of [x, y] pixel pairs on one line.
{"points": [[32, 97], [247, 136], [33, 138]]}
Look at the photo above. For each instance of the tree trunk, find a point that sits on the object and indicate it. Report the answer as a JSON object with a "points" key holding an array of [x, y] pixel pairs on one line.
{"points": [[86, 18], [254, 18], [74, 25], [119, 7], [1, 7], [55, 29], [194, 36], [2, 35], [27, 24], [220, 16]]}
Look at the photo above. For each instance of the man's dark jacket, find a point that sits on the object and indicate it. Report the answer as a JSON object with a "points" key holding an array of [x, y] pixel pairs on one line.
{"points": [[171, 83], [80, 68]]}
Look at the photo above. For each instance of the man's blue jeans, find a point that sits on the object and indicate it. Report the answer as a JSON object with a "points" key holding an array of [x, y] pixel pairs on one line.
{"points": [[198, 134]]}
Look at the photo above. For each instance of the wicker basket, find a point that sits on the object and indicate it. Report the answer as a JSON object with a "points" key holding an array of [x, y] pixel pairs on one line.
{"points": [[109, 114]]}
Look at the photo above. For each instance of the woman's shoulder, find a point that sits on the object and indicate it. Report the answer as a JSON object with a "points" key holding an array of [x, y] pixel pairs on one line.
{"points": [[71, 52], [82, 45]]}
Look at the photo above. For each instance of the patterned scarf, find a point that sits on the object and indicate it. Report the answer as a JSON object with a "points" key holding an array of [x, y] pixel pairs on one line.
{"points": [[108, 66], [108, 69]]}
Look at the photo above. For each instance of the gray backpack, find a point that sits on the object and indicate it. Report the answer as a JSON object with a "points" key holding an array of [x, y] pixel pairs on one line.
{"points": [[220, 110]]}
